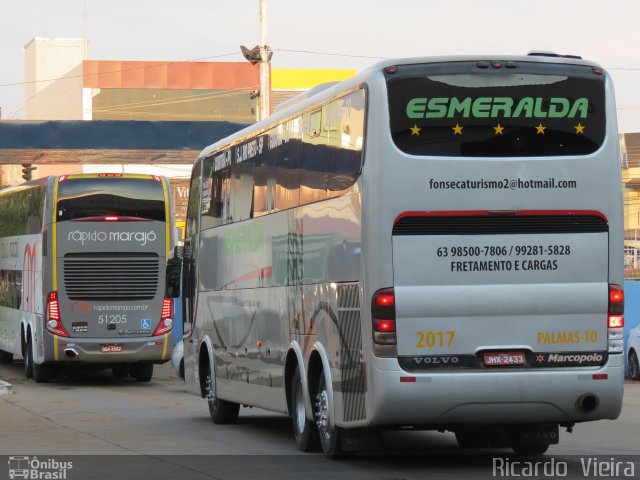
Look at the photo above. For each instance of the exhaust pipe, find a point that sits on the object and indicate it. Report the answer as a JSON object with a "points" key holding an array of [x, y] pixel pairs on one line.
{"points": [[587, 403], [70, 352]]}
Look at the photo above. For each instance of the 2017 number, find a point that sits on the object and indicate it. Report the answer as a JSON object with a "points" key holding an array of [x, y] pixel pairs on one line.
{"points": [[435, 339]]}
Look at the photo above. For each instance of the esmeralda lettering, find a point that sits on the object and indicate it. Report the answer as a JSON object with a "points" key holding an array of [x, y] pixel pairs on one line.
{"points": [[497, 107]]}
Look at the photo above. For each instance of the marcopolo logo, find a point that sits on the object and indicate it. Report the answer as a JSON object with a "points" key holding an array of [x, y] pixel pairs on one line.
{"points": [[576, 358], [38, 469], [95, 236]]}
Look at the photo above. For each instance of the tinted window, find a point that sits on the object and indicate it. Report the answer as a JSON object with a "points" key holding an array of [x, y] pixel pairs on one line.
{"points": [[457, 109], [21, 210], [194, 198], [130, 197]]}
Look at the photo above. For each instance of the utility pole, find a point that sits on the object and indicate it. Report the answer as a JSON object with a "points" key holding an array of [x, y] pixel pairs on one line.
{"points": [[261, 54], [265, 57]]}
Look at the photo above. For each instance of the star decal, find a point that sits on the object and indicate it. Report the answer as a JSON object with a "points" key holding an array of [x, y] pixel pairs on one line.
{"points": [[579, 128], [540, 358], [415, 130], [457, 130], [540, 129], [499, 129]]}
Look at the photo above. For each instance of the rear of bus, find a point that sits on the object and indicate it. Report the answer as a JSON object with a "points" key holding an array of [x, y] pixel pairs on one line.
{"points": [[496, 184], [110, 235]]}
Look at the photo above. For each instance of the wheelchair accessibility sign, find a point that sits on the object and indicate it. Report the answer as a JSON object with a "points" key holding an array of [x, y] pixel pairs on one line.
{"points": [[145, 324]]}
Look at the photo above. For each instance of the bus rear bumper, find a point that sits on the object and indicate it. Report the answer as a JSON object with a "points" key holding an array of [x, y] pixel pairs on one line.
{"points": [[110, 351], [399, 398]]}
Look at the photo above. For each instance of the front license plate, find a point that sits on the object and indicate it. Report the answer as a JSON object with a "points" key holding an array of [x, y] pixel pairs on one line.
{"points": [[110, 348], [498, 359]]}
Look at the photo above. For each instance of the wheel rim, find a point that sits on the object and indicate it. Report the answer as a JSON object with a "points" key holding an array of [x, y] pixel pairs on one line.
{"points": [[322, 414], [209, 388], [301, 417]]}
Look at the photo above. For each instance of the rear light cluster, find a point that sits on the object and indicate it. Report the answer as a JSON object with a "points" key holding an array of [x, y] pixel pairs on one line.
{"points": [[166, 318], [383, 315], [53, 322], [615, 319]]}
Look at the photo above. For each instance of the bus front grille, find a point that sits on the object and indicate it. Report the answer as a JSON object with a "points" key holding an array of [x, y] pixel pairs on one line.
{"points": [[111, 276]]}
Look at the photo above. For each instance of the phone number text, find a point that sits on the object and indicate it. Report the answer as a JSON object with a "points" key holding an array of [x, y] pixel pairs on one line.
{"points": [[505, 251]]}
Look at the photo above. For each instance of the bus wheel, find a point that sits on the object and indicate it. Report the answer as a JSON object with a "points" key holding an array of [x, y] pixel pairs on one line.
{"points": [[42, 373], [330, 435], [122, 371], [473, 438], [634, 366], [529, 450], [305, 431], [6, 357], [142, 372], [28, 360], [221, 411]]}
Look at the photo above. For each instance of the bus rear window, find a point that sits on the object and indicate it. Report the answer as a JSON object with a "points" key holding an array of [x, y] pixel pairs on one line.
{"points": [[458, 110], [119, 196]]}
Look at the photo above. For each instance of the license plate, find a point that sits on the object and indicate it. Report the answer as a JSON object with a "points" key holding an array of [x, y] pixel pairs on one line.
{"points": [[110, 348], [498, 359]]}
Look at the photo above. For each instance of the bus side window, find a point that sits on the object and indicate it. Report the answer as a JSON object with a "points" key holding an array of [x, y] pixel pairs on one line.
{"points": [[346, 131], [315, 165], [262, 186], [288, 165], [212, 203], [194, 202], [242, 178]]}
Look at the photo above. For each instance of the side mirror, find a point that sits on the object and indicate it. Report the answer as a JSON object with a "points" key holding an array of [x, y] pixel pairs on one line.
{"points": [[173, 278]]}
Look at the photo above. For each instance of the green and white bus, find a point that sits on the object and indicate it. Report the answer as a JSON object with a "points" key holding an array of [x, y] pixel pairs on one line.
{"points": [[436, 243], [82, 274]]}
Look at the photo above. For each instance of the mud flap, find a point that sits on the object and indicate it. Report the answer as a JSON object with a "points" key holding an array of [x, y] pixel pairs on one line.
{"points": [[361, 439]]}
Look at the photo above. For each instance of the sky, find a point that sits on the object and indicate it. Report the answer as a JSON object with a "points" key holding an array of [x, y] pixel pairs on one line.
{"points": [[351, 34]]}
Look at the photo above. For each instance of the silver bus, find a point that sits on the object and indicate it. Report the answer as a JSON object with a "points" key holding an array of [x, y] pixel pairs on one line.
{"points": [[435, 243], [82, 274]]}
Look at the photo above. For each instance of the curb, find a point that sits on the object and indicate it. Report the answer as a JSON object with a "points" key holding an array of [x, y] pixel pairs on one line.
{"points": [[5, 388]]}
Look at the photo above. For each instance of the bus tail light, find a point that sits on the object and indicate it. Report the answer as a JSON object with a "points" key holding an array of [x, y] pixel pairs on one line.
{"points": [[166, 318], [615, 319], [383, 315], [54, 322]]}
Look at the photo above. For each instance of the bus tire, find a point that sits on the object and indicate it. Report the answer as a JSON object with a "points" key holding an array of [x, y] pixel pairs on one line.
{"points": [[221, 411], [6, 357], [330, 436], [28, 360], [634, 366], [529, 450], [305, 431], [42, 373], [473, 439], [121, 371], [142, 372]]}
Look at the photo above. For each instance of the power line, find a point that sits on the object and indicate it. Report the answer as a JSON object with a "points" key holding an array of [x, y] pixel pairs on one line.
{"points": [[285, 50]]}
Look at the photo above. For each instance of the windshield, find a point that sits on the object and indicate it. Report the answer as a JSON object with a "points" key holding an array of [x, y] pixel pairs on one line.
{"points": [[124, 197], [460, 109]]}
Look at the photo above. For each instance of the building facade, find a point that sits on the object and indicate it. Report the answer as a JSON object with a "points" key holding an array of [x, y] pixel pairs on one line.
{"points": [[62, 84]]}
